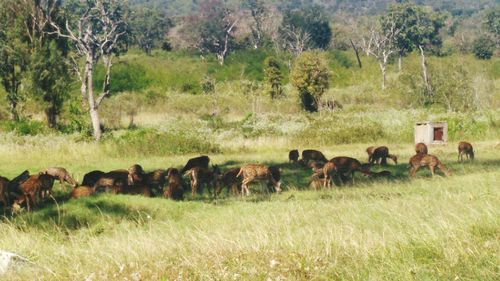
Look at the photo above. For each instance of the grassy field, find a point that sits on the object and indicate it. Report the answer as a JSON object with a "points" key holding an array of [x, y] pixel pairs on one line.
{"points": [[399, 229]]}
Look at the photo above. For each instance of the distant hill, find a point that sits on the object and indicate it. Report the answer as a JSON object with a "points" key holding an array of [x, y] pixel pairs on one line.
{"points": [[455, 7]]}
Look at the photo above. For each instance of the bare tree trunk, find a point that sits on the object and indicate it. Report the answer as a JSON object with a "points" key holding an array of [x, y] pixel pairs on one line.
{"points": [[400, 62], [425, 73], [356, 52], [93, 109], [383, 68], [13, 111]]}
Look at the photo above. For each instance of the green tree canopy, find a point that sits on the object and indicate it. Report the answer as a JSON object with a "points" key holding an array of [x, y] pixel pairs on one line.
{"points": [[312, 21], [417, 26]]}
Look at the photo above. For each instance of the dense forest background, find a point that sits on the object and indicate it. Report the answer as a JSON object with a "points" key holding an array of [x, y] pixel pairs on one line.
{"points": [[247, 69]]}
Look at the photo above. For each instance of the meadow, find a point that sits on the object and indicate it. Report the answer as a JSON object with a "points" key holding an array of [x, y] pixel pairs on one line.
{"points": [[441, 228], [397, 229]]}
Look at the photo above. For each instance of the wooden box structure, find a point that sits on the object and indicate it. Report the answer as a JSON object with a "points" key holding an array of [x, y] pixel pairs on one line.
{"points": [[431, 132]]}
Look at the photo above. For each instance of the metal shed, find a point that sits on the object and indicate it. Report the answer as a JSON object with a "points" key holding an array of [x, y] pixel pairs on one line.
{"points": [[431, 132]]}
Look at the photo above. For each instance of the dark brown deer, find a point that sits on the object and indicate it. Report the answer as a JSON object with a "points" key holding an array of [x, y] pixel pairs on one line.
{"points": [[426, 160], [32, 189], [175, 189], [91, 178], [61, 174], [369, 151], [293, 156], [4, 193], [313, 155], [380, 155], [347, 166], [113, 181], [157, 180], [467, 149], [421, 148], [256, 172], [230, 180], [197, 162], [201, 176]]}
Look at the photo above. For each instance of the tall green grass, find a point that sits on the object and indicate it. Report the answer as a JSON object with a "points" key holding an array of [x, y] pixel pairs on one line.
{"points": [[399, 229]]}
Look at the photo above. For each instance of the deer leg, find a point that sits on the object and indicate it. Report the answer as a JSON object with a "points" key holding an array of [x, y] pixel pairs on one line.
{"points": [[413, 171], [432, 168]]}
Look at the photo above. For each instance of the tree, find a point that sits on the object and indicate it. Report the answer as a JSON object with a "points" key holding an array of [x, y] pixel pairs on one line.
{"points": [[305, 29], [48, 78], [49, 75], [381, 45], [149, 27], [95, 31], [311, 77], [483, 47], [259, 13], [492, 21], [273, 76], [418, 27], [212, 29], [14, 52], [419, 30]]}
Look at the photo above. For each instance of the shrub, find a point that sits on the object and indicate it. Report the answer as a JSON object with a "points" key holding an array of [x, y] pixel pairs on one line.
{"points": [[273, 77], [208, 85], [311, 78], [24, 127], [483, 48]]}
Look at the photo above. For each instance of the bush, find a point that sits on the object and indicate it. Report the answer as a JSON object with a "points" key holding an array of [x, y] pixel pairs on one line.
{"points": [[273, 77], [483, 48], [311, 78], [24, 127]]}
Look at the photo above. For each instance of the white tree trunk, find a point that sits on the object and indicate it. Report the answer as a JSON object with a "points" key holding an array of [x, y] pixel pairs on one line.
{"points": [[425, 73], [400, 63], [93, 108]]}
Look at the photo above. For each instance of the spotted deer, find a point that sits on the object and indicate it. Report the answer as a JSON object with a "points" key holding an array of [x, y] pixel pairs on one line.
{"points": [[426, 160], [257, 172]]}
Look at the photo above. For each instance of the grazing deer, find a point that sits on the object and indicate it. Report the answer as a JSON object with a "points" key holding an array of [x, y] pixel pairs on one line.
{"points": [[230, 180], [33, 188], [4, 193], [197, 162], [347, 166], [421, 148], [329, 171], [257, 172], [201, 176], [175, 189], [380, 155], [61, 174], [313, 155], [369, 151], [91, 178], [157, 180], [426, 160], [293, 156], [465, 148]]}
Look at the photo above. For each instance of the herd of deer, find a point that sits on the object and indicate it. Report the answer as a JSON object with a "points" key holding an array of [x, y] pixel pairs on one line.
{"points": [[28, 190]]}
